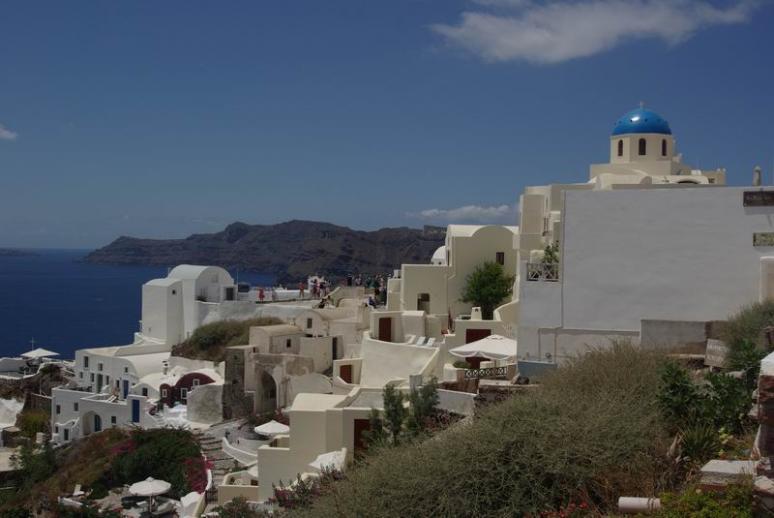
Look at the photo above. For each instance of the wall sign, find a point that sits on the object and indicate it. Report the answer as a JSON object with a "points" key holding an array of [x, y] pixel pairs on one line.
{"points": [[490, 372], [763, 239], [758, 199]]}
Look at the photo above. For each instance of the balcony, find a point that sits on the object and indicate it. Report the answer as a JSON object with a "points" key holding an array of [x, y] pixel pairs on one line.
{"points": [[546, 272]]}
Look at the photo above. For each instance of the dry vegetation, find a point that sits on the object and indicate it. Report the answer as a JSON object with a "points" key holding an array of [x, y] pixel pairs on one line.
{"points": [[593, 432], [209, 342]]}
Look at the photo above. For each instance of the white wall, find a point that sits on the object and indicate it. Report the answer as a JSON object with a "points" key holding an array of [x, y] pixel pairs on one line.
{"points": [[679, 254]]}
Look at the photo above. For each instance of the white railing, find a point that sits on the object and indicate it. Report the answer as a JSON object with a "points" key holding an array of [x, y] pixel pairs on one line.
{"points": [[543, 272]]}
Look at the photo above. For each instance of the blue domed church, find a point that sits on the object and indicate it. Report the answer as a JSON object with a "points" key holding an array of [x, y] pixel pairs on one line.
{"points": [[642, 146]]}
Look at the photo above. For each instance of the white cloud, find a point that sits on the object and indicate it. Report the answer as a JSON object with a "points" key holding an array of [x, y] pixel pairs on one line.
{"points": [[469, 214], [6, 134], [552, 32]]}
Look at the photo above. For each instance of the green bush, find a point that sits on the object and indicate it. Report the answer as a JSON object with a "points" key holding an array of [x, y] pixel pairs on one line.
{"points": [[209, 341], [734, 502], [30, 422], [699, 444], [722, 401], [592, 432], [161, 454], [462, 364], [487, 287], [745, 335]]}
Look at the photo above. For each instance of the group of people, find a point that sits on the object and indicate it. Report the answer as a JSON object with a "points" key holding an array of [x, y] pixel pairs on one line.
{"points": [[319, 288]]}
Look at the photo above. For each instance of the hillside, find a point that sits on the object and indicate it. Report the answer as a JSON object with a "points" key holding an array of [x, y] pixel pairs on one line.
{"points": [[290, 250]]}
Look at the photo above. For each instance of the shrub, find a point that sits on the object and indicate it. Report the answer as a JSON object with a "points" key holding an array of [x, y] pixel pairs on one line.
{"points": [[462, 364], [394, 412], [488, 286], [237, 508], [209, 341], [592, 432], [30, 422], [700, 444], [735, 502], [423, 405]]}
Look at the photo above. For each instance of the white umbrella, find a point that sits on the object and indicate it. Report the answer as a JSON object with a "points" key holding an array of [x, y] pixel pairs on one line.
{"points": [[150, 487], [272, 428], [494, 347], [39, 353], [332, 460]]}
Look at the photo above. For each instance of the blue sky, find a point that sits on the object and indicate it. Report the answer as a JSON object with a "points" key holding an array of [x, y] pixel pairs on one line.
{"points": [[160, 119]]}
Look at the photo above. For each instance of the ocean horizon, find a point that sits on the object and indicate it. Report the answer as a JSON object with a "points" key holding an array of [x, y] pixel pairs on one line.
{"points": [[65, 303]]}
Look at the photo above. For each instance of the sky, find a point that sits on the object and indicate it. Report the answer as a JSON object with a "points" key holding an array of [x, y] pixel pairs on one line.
{"points": [[162, 119]]}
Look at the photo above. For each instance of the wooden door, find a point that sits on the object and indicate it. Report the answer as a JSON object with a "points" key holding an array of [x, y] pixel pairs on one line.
{"points": [[471, 335], [385, 329], [345, 373], [360, 427]]}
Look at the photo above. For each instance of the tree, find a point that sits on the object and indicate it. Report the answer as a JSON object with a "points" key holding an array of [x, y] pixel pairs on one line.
{"points": [[394, 412], [487, 287], [423, 405], [375, 435]]}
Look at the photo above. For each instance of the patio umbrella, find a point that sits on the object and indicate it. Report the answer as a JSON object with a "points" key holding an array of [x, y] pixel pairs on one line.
{"points": [[332, 460], [494, 347], [272, 428], [150, 487], [38, 353]]}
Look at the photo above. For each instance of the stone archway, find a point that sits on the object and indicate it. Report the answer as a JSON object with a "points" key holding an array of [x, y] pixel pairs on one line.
{"points": [[91, 422]]}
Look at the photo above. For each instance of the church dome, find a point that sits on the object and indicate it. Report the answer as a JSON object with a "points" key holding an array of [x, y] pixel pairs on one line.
{"points": [[641, 120]]}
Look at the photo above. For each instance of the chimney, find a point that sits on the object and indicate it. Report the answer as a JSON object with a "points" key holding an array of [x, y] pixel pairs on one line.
{"points": [[757, 176]]}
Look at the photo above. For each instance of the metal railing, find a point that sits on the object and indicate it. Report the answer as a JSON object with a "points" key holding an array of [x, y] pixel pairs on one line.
{"points": [[543, 272]]}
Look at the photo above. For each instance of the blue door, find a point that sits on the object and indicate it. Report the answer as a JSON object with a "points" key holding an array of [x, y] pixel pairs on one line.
{"points": [[126, 388], [97, 423], [135, 410]]}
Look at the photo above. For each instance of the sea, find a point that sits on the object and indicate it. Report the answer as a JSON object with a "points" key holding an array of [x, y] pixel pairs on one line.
{"points": [[63, 303]]}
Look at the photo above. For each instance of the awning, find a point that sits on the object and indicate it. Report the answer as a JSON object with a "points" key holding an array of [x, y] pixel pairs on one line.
{"points": [[272, 428], [331, 460], [494, 347], [39, 353]]}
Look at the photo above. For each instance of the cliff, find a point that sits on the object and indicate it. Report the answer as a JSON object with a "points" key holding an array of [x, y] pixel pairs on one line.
{"points": [[290, 250]]}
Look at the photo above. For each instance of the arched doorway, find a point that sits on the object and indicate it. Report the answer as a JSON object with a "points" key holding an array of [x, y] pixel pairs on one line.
{"points": [[91, 422], [266, 396]]}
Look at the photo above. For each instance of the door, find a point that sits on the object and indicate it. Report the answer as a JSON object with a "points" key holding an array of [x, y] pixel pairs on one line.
{"points": [[335, 346], [135, 410], [385, 329], [125, 390], [345, 373], [360, 427], [423, 302], [99, 382], [471, 335], [97, 423]]}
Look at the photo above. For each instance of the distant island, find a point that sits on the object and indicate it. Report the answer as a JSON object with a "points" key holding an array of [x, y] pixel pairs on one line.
{"points": [[290, 251], [15, 252]]}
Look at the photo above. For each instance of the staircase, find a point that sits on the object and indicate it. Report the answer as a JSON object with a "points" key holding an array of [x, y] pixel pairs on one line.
{"points": [[212, 448]]}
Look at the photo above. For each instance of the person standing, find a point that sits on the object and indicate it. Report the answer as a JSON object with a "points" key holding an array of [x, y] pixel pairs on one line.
{"points": [[301, 290], [261, 294]]}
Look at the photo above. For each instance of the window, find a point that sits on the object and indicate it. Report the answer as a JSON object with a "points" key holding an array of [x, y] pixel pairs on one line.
{"points": [[183, 394], [92, 377], [126, 370], [66, 434], [145, 391], [288, 343], [80, 374], [99, 366], [195, 382], [643, 150], [309, 323], [163, 392], [174, 292], [75, 407], [663, 147], [620, 148], [56, 429], [85, 362], [500, 258], [112, 419], [58, 409]]}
